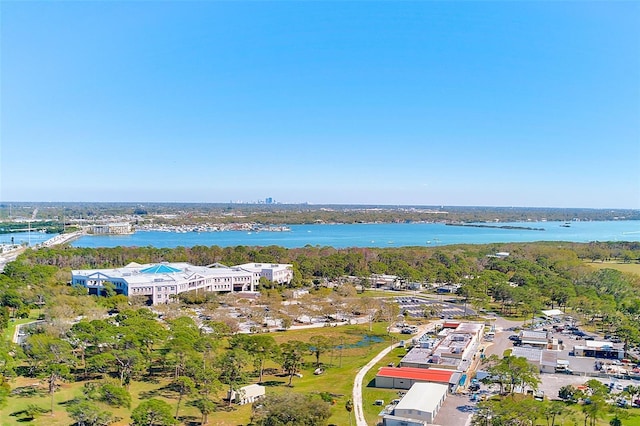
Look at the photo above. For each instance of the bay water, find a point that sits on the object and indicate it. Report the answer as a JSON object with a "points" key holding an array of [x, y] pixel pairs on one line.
{"points": [[380, 235]]}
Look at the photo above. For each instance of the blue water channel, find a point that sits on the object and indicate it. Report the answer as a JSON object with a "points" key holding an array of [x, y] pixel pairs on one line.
{"points": [[380, 235], [363, 235]]}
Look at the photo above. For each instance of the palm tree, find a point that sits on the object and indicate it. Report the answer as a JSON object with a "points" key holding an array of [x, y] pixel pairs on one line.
{"points": [[553, 409]]}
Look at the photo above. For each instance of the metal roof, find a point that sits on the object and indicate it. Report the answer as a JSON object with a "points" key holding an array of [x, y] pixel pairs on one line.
{"points": [[421, 374], [531, 354], [423, 397]]}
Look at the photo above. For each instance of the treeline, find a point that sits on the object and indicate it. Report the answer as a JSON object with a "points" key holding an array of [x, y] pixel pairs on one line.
{"points": [[193, 213], [421, 264], [532, 277], [49, 226]]}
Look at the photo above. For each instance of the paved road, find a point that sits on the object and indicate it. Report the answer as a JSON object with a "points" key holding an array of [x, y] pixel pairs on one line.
{"points": [[58, 239], [19, 337], [9, 257], [501, 339]]}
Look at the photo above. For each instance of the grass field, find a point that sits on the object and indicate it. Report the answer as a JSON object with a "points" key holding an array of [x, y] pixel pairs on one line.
{"points": [[633, 268], [340, 370]]}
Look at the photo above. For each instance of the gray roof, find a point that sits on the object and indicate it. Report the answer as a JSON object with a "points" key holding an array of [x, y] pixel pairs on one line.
{"points": [[423, 397], [417, 355], [531, 354], [528, 334]]}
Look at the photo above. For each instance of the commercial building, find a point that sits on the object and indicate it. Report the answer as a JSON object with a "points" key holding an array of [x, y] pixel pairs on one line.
{"points": [[384, 281], [536, 339], [455, 348], [419, 406], [597, 349], [162, 282], [406, 377], [547, 361], [112, 229], [274, 272]]}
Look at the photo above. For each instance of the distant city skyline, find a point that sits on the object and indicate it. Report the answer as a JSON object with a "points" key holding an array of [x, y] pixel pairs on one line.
{"points": [[531, 104]]}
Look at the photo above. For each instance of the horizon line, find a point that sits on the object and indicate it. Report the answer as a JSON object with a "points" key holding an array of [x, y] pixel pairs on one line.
{"points": [[305, 203]]}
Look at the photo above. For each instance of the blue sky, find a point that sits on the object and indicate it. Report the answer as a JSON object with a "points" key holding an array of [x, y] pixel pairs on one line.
{"points": [[425, 103]]}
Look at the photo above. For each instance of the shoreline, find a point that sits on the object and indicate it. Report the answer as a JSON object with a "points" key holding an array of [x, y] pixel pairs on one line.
{"points": [[523, 228]]}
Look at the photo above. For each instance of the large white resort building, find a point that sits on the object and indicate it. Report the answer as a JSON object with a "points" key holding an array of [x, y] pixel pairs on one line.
{"points": [[161, 282]]}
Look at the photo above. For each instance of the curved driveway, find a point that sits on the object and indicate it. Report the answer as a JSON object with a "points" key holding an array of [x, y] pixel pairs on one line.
{"points": [[357, 383]]}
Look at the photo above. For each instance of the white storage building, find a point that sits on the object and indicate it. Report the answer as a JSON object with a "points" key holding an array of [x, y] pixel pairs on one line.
{"points": [[419, 406]]}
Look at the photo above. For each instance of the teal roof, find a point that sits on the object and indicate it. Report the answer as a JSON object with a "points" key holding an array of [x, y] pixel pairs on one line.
{"points": [[159, 269]]}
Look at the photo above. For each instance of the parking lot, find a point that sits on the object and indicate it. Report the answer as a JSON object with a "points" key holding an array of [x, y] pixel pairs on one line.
{"points": [[458, 408], [416, 307], [583, 368]]}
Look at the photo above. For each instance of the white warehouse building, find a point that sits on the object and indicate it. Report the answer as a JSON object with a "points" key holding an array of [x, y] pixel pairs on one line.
{"points": [[161, 282]]}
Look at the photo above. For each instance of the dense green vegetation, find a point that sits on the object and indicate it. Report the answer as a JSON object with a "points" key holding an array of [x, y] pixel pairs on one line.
{"points": [[533, 276], [116, 364], [48, 226]]}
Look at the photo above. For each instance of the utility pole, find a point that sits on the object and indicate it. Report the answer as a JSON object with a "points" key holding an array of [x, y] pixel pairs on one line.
{"points": [[349, 407]]}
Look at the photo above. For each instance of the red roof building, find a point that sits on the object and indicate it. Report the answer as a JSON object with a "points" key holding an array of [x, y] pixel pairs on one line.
{"points": [[451, 324], [405, 377]]}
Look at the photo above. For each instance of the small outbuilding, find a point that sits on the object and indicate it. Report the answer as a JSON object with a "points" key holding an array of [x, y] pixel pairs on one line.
{"points": [[553, 313], [536, 339], [247, 394]]}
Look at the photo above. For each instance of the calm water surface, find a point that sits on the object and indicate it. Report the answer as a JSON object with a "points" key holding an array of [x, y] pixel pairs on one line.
{"points": [[378, 235], [29, 238]]}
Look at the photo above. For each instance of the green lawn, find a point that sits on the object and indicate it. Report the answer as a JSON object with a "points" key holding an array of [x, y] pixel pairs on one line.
{"points": [[340, 370], [576, 415], [370, 394], [633, 268]]}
